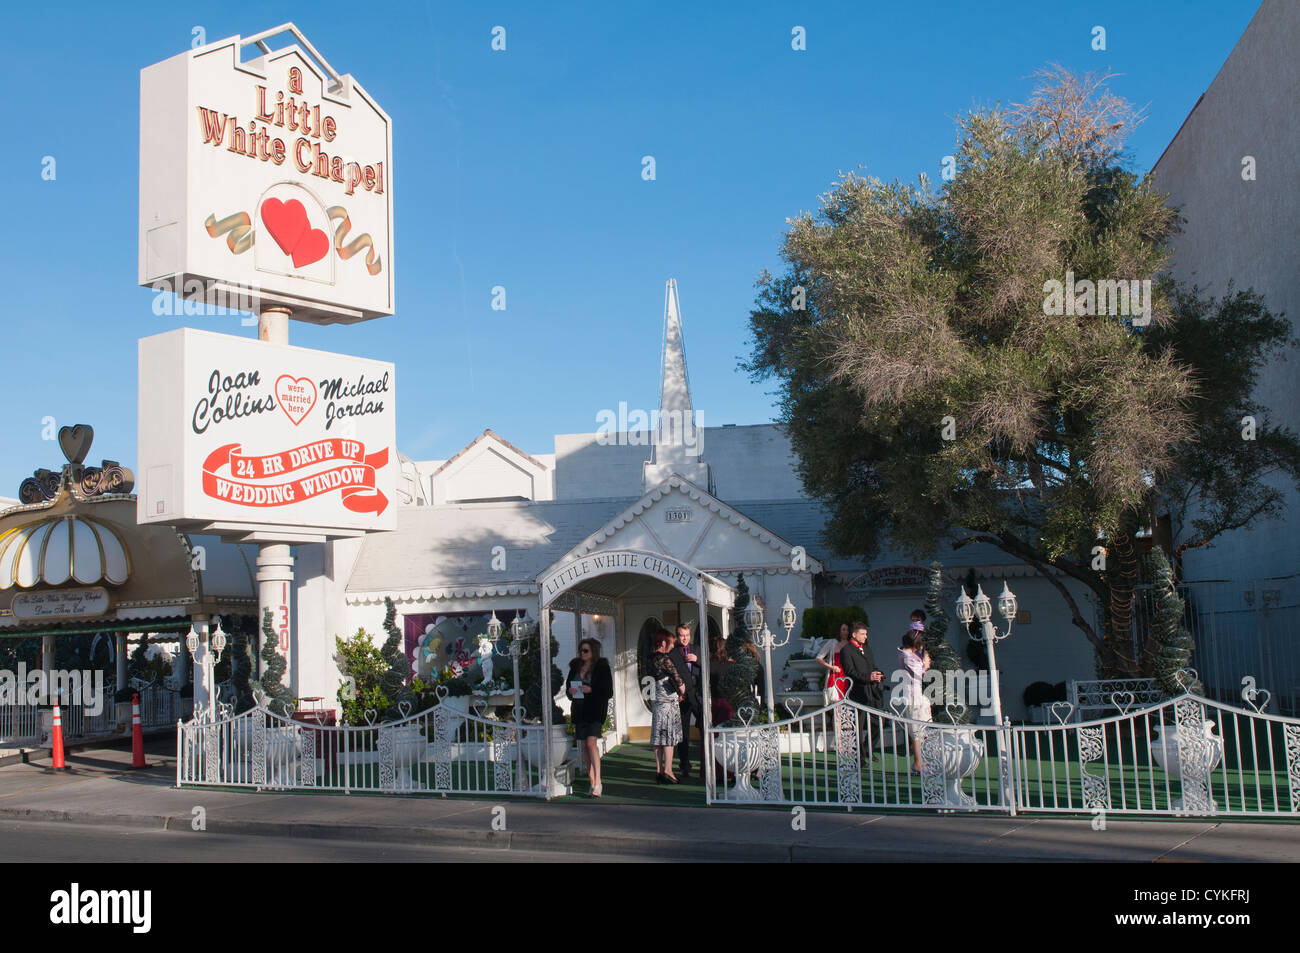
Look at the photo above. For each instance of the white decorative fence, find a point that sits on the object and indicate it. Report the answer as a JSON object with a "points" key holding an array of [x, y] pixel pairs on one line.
{"points": [[444, 750], [20, 724], [159, 706], [1185, 756]]}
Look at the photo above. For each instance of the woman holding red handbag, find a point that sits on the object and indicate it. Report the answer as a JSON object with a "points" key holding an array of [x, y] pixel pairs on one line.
{"points": [[837, 685]]}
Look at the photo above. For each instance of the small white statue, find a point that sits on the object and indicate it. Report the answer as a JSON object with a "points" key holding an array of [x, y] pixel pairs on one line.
{"points": [[485, 659]]}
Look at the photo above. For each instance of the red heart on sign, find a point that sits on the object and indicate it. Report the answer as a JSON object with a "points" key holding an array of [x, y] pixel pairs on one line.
{"points": [[311, 247], [288, 224], [297, 396], [286, 221]]}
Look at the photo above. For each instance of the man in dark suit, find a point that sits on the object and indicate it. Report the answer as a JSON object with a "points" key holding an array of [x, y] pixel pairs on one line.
{"points": [[860, 665], [688, 666]]}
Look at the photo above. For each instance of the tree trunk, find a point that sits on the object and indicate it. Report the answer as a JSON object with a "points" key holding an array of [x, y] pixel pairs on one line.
{"points": [[1119, 660]]}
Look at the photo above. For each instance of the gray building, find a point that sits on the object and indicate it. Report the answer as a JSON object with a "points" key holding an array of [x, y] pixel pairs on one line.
{"points": [[1233, 169]]}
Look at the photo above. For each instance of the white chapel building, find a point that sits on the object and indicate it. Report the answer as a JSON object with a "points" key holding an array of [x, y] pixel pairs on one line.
{"points": [[618, 533]]}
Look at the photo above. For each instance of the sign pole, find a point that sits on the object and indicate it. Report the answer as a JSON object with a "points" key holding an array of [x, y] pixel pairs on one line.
{"points": [[274, 561]]}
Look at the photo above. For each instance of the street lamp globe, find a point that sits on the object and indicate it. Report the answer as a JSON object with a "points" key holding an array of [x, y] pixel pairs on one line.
{"points": [[518, 627], [965, 608], [192, 641], [753, 617], [1007, 602], [494, 627], [788, 615], [219, 642], [983, 606]]}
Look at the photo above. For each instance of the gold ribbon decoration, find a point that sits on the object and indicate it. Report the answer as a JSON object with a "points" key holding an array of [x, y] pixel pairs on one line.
{"points": [[240, 227], [373, 264]]}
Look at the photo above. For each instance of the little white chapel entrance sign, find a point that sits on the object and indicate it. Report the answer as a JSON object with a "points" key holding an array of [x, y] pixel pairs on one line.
{"points": [[573, 573]]}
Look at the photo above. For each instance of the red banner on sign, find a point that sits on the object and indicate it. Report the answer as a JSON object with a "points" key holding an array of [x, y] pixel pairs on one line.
{"points": [[354, 479]]}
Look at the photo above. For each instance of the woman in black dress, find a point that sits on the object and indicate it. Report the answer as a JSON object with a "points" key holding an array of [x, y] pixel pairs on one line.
{"points": [[591, 686], [666, 714], [719, 665]]}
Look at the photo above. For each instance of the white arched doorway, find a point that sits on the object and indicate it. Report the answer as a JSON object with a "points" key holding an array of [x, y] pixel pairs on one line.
{"points": [[626, 583]]}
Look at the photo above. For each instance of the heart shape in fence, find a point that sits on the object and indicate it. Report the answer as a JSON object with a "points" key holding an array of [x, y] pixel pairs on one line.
{"points": [[479, 705], [746, 716], [956, 712], [370, 716], [794, 706], [259, 696], [846, 686], [1123, 701], [1186, 678], [518, 712], [898, 703], [404, 707], [1252, 699], [441, 692], [1058, 707], [289, 708]]}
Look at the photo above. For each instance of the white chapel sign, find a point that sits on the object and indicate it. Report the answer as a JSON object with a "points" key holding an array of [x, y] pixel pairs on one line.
{"points": [[267, 181], [234, 430]]}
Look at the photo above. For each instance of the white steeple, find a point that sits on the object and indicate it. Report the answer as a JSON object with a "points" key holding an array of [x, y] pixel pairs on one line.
{"points": [[678, 442]]}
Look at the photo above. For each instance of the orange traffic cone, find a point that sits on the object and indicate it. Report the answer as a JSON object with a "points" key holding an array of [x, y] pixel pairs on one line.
{"points": [[137, 734], [58, 741]]}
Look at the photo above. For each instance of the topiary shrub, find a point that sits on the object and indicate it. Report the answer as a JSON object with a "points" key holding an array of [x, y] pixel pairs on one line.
{"points": [[737, 685], [279, 698]]}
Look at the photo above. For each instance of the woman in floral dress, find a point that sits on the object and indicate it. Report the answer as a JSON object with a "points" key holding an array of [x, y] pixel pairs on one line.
{"points": [[666, 713]]}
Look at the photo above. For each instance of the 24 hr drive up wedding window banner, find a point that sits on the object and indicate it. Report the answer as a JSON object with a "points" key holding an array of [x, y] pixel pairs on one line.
{"points": [[238, 431]]}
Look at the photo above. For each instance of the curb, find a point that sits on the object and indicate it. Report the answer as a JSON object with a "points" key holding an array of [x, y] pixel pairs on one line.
{"points": [[557, 842]]}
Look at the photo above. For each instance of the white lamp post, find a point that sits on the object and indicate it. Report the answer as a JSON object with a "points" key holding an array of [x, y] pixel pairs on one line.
{"points": [[981, 609], [767, 641]]}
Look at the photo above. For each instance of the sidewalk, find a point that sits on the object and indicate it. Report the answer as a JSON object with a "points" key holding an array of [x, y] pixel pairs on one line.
{"points": [[100, 790]]}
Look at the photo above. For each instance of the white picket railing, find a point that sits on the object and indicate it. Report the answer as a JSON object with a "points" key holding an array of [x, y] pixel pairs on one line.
{"points": [[1185, 756], [1094, 697], [443, 750], [159, 706], [849, 755], [20, 724]]}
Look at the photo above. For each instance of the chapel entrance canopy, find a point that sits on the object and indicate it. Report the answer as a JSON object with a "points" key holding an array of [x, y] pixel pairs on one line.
{"points": [[611, 575]]}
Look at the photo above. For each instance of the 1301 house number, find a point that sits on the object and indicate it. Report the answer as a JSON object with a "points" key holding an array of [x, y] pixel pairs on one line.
{"points": [[677, 516]]}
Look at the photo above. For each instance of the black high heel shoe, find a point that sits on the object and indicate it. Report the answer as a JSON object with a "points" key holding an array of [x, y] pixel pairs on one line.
{"points": [[662, 779]]}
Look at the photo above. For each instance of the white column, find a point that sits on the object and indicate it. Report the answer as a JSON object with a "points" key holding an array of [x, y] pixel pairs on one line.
{"points": [[706, 700], [120, 674], [275, 592], [274, 563], [47, 657], [620, 683], [203, 687], [544, 652]]}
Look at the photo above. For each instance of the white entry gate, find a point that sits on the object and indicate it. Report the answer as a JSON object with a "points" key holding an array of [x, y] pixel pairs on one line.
{"points": [[444, 750], [1186, 756]]}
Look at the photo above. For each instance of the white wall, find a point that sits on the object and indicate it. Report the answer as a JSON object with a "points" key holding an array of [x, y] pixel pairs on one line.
{"points": [[1246, 230]]}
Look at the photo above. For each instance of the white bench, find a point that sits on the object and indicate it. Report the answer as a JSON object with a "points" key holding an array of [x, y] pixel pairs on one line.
{"points": [[1091, 698]]}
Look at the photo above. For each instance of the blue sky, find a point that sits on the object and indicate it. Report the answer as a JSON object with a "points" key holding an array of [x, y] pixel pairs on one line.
{"points": [[523, 169]]}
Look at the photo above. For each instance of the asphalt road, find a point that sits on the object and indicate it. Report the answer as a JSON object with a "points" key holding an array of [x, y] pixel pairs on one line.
{"points": [[28, 842]]}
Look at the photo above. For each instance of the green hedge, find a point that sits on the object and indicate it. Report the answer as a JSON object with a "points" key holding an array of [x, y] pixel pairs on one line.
{"points": [[824, 622]]}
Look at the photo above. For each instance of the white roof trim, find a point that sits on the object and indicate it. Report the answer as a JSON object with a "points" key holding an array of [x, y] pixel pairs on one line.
{"points": [[441, 593], [682, 485]]}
